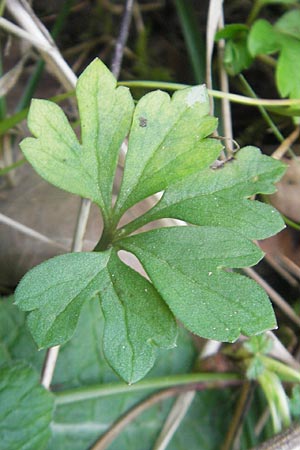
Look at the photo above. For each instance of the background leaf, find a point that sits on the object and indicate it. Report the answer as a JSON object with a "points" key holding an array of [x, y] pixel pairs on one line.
{"points": [[81, 362], [186, 266], [167, 142], [284, 37], [25, 409], [55, 153], [236, 54], [262, 38]]}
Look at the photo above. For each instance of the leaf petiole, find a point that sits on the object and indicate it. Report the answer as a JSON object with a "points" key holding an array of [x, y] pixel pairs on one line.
{"points": [[104, 390]]}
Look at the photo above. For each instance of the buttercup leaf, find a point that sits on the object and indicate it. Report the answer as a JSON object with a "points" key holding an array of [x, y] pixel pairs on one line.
{"points": [[85, 169], [169, 151], [55, 291], [137, 321], [221, 197], [187, 266], [283, 36], [168, 141]]}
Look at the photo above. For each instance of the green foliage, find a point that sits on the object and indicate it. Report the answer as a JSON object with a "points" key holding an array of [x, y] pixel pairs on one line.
{"points": [[283, 36], [134, 323], [295, 402], [236, 55], [244, 43], [76, 425], [214, 303], [25, 409], [169, 150]]}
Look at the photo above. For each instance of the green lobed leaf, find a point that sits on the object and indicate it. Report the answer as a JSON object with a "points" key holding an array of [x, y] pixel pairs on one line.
{"points": [[167, 142], [263, 38], [86, 169], [26, 409], [222, 197], [288, 68], [289, 24], [284, 37], [187, 267], [236, 54], [137, 321], [231, 31], [55, 291]]}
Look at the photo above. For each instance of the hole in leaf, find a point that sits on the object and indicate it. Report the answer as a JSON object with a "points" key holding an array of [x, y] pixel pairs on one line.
{"points": [[131, 260]]}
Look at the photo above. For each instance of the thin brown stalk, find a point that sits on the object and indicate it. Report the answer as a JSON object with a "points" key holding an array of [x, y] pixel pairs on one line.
{"points": [[242, 407], [277, 299], [286, 144]]}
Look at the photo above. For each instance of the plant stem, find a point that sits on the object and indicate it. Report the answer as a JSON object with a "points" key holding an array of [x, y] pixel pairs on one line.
{"points": [[123, 35], [239, 414], [7, 169], [235, 98], [103, 390], [111, 434], [254, 12], [284, 372], [262, 110]]}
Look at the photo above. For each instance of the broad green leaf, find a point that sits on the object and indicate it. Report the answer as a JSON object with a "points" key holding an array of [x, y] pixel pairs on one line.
{"points": [[222, 197], [263, 38], [15, 339], [288, 68], [26, 409], [55, 291], [187, 267], [75, 426], [88, 168], [289, 24], [231, 31], [137, 321], [167, 142]]}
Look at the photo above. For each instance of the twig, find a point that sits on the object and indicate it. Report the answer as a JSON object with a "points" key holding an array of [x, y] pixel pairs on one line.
{"points": [[122, 39], [286, 144], [36, 33], [277, 299], [122, 422], [182, 404], [241, 408], [29, 231], [107, 438], [275, 264], [226, 108]]}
